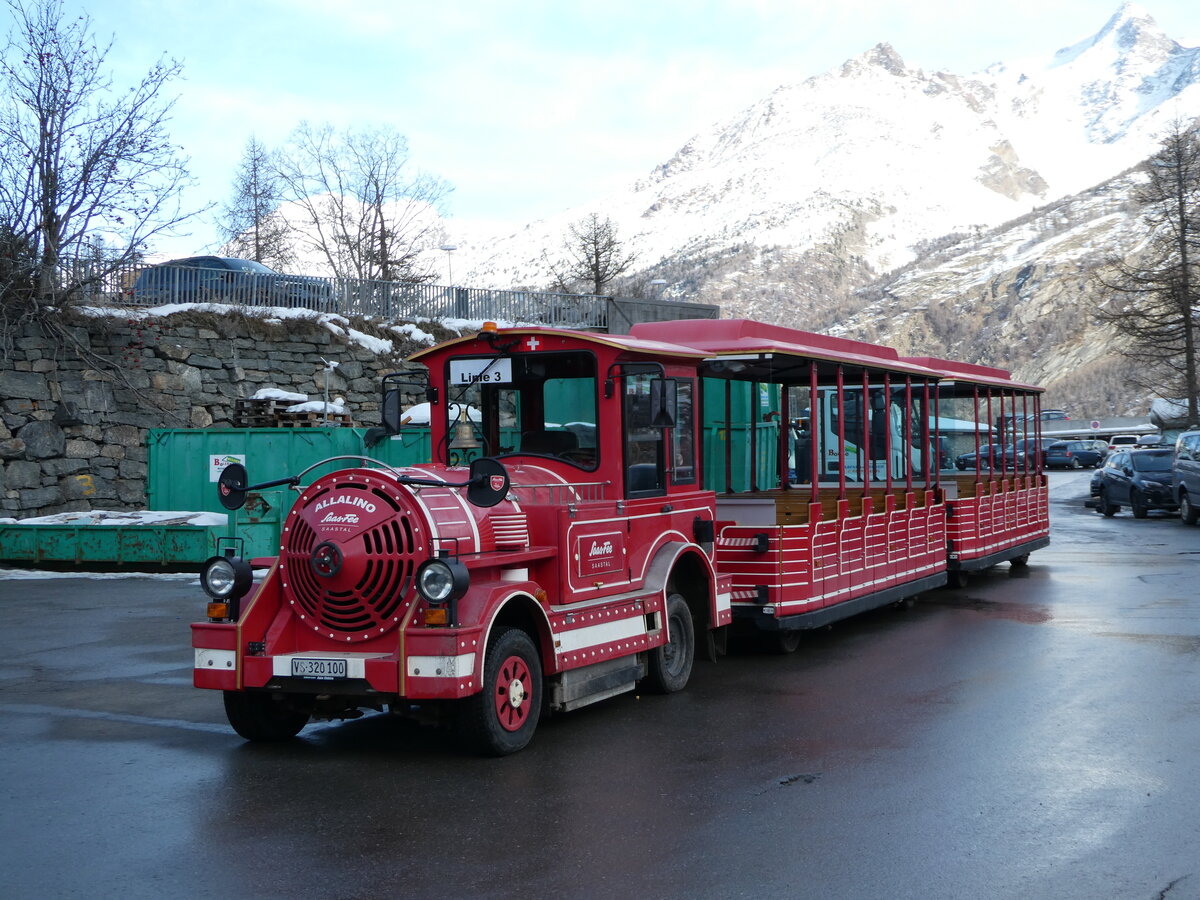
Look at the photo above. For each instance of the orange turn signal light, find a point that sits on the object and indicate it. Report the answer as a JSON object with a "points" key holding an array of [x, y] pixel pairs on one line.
{"points": [[218, 610], [437, 616]]}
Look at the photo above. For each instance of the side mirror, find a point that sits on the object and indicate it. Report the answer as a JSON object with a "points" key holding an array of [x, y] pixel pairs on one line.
{"points": [[664, 402], [392, 410], [489, 482], [231, 486]]}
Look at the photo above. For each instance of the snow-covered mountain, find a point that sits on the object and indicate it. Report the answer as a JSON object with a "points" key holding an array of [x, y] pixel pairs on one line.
{"points": [[782, 211]]}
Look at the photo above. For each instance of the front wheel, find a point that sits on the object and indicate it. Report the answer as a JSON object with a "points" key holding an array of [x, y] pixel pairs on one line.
{"points": [[501, 718], [1108, 510], [1188, 513], [266, 717], [1137, 503], [670, 664]]}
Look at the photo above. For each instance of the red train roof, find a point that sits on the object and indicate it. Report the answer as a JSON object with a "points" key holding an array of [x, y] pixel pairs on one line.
{"points": [[731, 337], [972, 372]]}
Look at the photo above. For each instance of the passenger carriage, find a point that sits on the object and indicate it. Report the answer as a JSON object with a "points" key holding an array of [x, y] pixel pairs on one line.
{"points": [[999, 511], [854, 523]]}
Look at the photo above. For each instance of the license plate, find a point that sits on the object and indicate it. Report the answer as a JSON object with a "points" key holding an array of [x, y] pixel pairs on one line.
{"points": [[320, 669]]}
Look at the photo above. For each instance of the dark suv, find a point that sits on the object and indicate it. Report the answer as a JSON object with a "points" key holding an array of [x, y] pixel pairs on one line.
{"points": [[1140, 479], [222, 279], [1074, 454]]}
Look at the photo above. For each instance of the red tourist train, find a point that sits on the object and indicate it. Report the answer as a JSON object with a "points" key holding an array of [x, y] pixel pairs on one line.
{"points": [[599, 508]]}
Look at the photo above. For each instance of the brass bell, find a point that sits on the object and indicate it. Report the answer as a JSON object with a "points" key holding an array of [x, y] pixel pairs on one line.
{"points": [[464, 433]]}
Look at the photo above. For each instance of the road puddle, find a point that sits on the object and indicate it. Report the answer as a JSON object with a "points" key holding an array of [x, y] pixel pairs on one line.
{"points": [[1029, 614]]}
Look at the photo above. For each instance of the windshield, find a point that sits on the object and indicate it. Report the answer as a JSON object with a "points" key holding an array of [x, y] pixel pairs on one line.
{"points": [[1151, 462], [537, 404], [248, 265]]}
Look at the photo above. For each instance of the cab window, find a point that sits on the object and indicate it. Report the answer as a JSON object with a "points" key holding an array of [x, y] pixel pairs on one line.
{"points": [[535, 404]]}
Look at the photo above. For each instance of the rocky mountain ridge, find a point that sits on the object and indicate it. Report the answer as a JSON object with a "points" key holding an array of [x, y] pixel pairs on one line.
{"points": [[788, 209]]}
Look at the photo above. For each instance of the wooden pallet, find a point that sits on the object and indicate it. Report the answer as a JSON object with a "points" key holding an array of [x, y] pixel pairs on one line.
{"points": [[286, 419], [252, 413]]}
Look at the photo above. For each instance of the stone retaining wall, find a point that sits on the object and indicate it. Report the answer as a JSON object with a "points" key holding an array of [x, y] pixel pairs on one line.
{"points": [[75, 406]]}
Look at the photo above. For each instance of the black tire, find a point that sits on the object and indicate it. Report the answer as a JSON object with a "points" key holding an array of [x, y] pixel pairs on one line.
{"points": [[670, 665], [1075, 464], [1137, 504], [1188, 513], [785, 642], [1108, 510], [502, 718], [957, 578], [263, 716]]}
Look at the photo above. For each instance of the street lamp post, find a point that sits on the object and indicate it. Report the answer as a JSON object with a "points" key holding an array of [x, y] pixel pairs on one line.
{"points": [[449, 248], [455, 299]]}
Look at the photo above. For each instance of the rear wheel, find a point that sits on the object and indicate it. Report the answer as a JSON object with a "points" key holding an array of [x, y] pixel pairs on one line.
{"points": [[957, 578], [786, 641], [1075, 464], [262, 716], [1187, 510], [1019, 562], [501, 718], [670, 664]]}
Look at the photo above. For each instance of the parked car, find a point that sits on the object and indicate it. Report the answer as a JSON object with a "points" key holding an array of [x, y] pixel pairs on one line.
{"points": [[1139, 479], [1053, 415], [222, 279], [1185, 470], [1024, 454], [1076, 454], [990, 455], [1122, 441]]}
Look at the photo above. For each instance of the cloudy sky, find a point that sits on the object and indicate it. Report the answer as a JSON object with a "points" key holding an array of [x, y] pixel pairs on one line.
{"points": [[528, 107]]}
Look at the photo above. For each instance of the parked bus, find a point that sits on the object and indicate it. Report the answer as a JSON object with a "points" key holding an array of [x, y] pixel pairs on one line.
{"points": [[566, 542]]}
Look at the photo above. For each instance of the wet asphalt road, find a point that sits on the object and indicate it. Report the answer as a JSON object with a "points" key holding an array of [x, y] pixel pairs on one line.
{"points": [[1033, 736]]}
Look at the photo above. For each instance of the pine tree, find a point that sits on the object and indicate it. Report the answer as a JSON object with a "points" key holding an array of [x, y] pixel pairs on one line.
{"points": [[251, 223], [1152, 295]]}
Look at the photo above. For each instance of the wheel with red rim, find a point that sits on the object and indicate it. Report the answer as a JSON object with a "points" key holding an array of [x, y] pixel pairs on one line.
{"points": [[502, 717]]}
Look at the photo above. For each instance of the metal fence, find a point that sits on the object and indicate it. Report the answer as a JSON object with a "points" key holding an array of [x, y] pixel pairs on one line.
{"points": [[157, 286]]}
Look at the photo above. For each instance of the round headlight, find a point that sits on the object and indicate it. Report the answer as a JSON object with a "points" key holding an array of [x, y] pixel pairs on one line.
{"points": [[441, 580], [226, 577]]}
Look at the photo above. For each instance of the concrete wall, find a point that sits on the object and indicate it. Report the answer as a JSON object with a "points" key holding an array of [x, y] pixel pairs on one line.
{"points": [[75, 405]]}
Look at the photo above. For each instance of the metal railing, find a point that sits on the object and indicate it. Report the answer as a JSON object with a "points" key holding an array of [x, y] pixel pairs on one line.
{"points": [[151, 286]]}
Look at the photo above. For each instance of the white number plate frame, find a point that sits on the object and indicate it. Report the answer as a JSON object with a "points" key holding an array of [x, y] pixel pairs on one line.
{"points": [[318, 669]]}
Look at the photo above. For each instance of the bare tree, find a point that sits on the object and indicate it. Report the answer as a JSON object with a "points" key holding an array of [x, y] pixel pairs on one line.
{"points": [[361, 209], [83, 165], [592, 256], [251, 224], [1153, 297]]}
